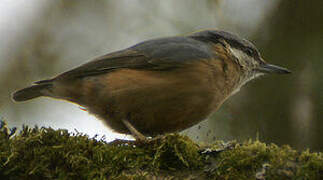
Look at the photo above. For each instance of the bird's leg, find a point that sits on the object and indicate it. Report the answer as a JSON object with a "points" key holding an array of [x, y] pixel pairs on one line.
{"points": [[135, 133]]}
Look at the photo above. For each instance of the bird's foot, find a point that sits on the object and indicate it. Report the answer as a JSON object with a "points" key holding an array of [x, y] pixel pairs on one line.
{"points": [[140, 138]]}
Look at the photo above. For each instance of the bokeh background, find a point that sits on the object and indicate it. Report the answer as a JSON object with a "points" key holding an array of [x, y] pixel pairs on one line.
{"points": [[41, 38]]}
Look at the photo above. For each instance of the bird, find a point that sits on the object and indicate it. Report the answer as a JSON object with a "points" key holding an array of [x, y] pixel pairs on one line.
{"points": [[159, 86]]}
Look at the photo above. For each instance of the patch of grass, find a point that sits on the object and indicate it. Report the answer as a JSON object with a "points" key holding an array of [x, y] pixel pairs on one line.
{"points": [[44, 153]]}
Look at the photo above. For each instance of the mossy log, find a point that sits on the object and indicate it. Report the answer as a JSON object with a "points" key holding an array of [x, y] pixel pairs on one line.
{"points": [[45, 153]]}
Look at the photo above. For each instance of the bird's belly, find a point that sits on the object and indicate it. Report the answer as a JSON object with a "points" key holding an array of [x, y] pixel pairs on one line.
{"points": [[155, 111], [168, 111], [152, 103]]}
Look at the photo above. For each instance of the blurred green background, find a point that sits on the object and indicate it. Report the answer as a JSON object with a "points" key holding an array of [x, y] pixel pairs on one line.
{"points": [[40, 39]]}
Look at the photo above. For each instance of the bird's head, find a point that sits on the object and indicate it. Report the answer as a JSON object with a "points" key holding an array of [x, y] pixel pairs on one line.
{"points": [[243, 52]]}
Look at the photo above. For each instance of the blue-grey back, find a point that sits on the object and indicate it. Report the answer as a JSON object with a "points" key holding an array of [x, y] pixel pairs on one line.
{"points": [[175, 49]]}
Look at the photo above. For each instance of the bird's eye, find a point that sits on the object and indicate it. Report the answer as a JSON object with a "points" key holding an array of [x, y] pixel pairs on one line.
{"points": [[249, 52]]}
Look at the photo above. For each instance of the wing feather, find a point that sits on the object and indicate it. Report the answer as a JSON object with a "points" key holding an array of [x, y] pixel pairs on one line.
{"points": [[158, 54]]}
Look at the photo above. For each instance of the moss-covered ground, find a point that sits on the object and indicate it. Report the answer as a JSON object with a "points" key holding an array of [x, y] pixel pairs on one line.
{"points": [[44, 153]]}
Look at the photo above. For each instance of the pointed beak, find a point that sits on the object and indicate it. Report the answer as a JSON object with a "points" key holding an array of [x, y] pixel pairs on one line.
{"points": [[270, 68]]}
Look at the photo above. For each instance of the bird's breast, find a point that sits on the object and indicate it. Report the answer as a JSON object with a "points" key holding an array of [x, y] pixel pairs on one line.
{"points": [[155, 102]]}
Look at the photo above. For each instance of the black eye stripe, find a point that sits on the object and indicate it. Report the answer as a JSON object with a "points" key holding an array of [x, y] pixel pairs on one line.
{"points": [[232, 39]]}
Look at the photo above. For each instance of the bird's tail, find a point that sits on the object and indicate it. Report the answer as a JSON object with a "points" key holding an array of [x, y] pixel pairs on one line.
{"points": [[39, 89]]}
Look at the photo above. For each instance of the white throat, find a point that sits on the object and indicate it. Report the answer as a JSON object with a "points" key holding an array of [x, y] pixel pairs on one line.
{"points": [[247, 64]]}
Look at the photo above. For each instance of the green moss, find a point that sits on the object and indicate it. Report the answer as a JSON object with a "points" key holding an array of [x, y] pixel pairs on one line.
{"points": [[44, 153]]}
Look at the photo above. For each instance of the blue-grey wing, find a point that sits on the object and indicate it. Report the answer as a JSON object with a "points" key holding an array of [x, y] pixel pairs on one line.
{"points": [[174, 50], [158, 54]]}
